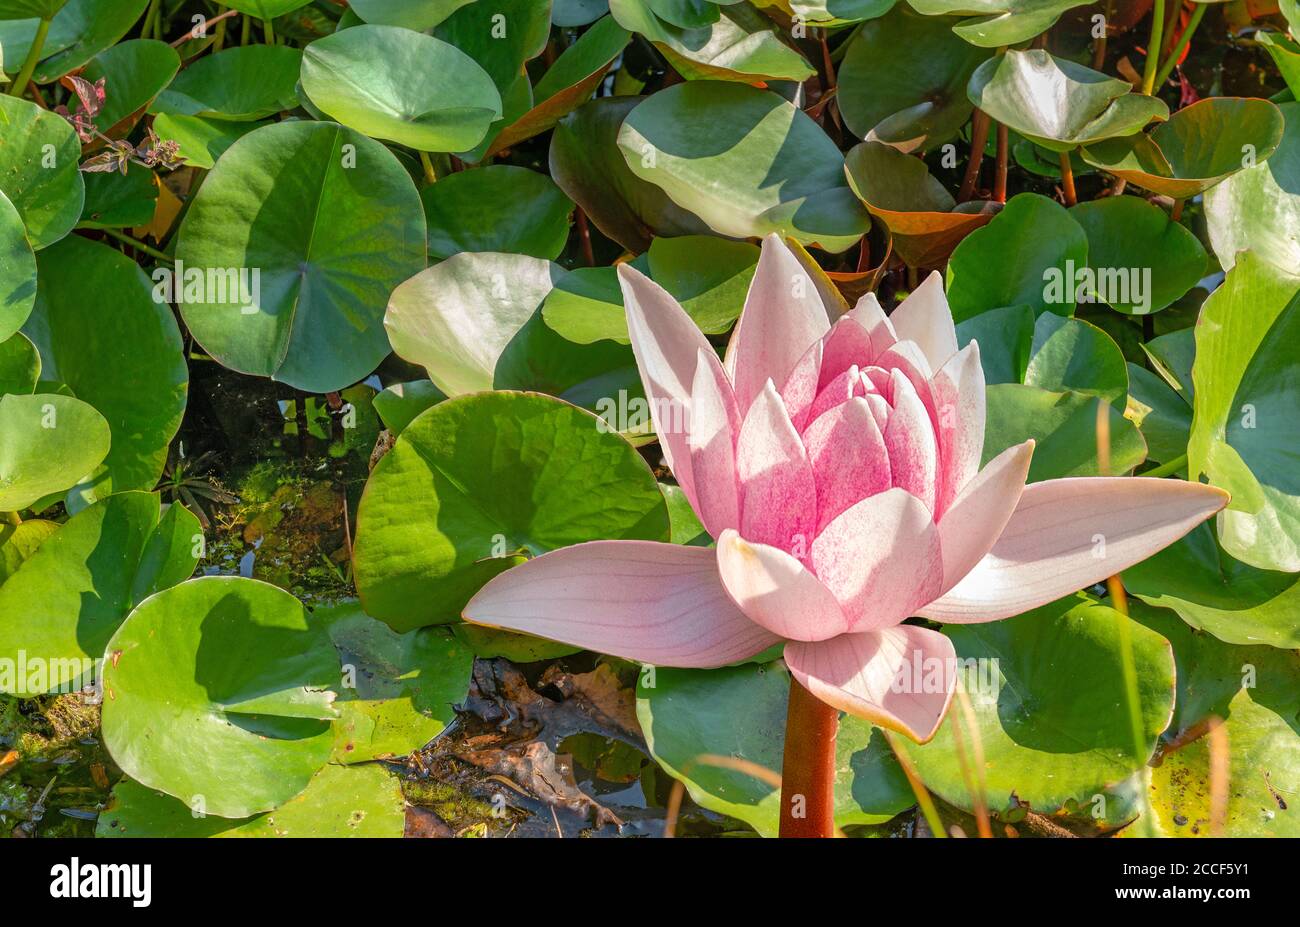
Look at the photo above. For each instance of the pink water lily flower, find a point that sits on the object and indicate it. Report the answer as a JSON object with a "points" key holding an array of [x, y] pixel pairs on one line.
{"points": [[837, 465]]}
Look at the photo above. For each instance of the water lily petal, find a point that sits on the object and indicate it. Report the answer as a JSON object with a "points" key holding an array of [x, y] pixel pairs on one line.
{"points": [[899, 678], [778, 592], [870, 316], [641, 600], [779, 500], [848, 457], [1068, 534], [975, 521], [847, 345], [800, 387], [881, 558], [958, 390], [783, 315], [910, 440], [924, 317], [714, 428]]}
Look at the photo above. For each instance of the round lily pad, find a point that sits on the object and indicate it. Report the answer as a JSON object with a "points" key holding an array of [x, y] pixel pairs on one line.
{"points": [[122, 550], [738, 713], [1058, 104], [134, 73], [115, 200], [47, 443], [220, 674], [20, 365], [1200, 146], [1048, 694], [331, 223], [40, 173], [410, 14], [121, 352], [17, 269], [19, 542], [340, 801], [499, 207], [202, 140], [399, 85], [266, 9], [239, 84], [903, 80], [745, 161], [1071, 354], [79, 31], [477, 484], [398, 404], [995, 23]]}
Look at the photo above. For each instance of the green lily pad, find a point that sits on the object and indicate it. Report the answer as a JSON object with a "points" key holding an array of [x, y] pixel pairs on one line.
{"points": [[1258, 209], [924, 221], [684, 524], [740, 45], [568, 83], [828, 13], [115, 200], [398, 404], [479, 482], [586, 162], [289, 200], [474, 322], [501, 36], [499, 207], [66, 600], [708, 276], [79, 31], [1213, 591], [19, 542], [1163, 417], [1005, 337], [1048, 693], [340, 801], [745, 161], [20, 365], [1064, 425], [410, 14], [17, 270], [240, 84], [220, 674], [134, 73], [398, 689], [489, 643], [571, 13], [1285, 52], [739, 712], [994, 23], [266, 9], [399, 85], [39, 172], [1048, 245], [121, 352], [202, 141], [1070, 354], [1038, 160], [30, 9], [903, 81], [1058, 104], [1140, 260], [1172, 356], [1255, 691], [1200, 146], [47, 443], [1244, 432]]}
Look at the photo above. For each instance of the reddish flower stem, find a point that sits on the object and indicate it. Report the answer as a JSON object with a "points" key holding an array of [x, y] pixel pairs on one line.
{"points": [[979, 137], [1000, 177], [808, 769]]}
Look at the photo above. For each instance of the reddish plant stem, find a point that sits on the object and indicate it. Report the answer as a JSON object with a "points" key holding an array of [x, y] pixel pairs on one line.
{"points": [[1000, 178], [1178, 210], [584, 235], [1067, 180], [808, 769], [979, 137]]}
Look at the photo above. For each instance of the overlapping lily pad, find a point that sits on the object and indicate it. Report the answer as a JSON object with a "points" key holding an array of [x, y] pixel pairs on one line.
{"points": [[692, 717], [39, 171], [79, 31], [499, 207], [20, 365], [120, 551], [47, 443], [994, 23], [477, 484], [744, 160], [402, 86], [220, 674], [1200, 146], [331, 223], [17, 270], [410, 14], [134, 73], [1245, 437], [238, 84]]}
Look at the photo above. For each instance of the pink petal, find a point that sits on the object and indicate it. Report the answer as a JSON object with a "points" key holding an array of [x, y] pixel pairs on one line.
{"points": [[847, 345], [800, 387], [641, 600], [924, 318], [783, 315], [881, 558], [848, 458], [777, 591], [906, 358], [958, 390], [714, 427], [975, 521], [870, 316], [1068, 534], [779, 500], [900, 678], [909, 438], [840, 390], [667, 345]]}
